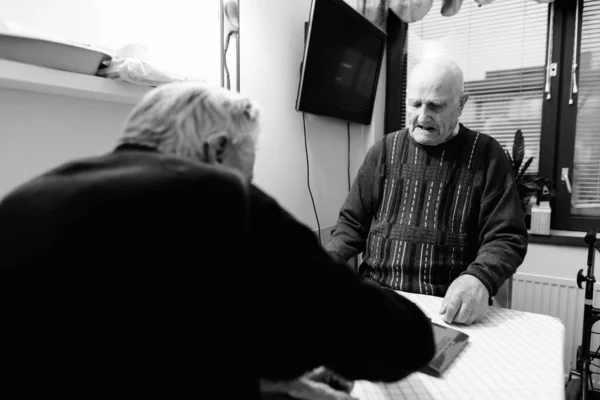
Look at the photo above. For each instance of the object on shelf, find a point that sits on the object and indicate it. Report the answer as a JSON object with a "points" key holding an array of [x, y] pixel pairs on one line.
{"points": [[132, 50], [21, 44], [135, 71], [132, 64], [232, 18], [35, 79]]}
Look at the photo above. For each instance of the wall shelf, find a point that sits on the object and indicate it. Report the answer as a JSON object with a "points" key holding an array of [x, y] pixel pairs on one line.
{"points": [[32, 78]]}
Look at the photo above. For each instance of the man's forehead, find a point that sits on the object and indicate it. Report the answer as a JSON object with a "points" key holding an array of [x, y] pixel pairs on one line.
{"points": [[430, 91], [425, 96]]}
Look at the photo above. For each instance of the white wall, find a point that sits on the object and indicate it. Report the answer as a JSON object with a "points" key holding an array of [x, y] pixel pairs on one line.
{"points": [[556, 261], [272, 42], [38, 132]]}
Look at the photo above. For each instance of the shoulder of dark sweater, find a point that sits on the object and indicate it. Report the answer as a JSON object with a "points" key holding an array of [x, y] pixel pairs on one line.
{"points": [[489, 147], [485, 141], [490, 157], [124, 170], [266, 212]]}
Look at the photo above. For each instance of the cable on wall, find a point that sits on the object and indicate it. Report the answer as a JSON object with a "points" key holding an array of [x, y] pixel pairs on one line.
{"points": [[312, 199], [348, 167]]}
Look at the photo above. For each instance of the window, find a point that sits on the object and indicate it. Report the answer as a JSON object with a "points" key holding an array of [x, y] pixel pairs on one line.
{"points": [[501, 49], [585, 199], [576, 167]]}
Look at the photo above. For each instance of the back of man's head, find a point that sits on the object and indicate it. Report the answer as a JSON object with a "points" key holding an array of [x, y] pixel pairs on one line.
{"points": [[187, 119]]}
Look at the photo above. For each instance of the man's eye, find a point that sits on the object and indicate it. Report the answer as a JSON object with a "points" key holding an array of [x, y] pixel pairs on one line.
{"points": [[415, 105]]}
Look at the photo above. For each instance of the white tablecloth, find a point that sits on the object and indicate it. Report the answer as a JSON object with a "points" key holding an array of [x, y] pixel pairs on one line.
{"points": [[510, 355]]}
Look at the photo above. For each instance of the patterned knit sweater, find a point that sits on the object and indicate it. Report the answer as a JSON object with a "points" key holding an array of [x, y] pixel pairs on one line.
{"points": [[424, 215]]}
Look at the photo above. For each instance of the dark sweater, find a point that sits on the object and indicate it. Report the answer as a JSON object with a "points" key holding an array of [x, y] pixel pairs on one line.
{"points": [[424, 215], [137, 275]]}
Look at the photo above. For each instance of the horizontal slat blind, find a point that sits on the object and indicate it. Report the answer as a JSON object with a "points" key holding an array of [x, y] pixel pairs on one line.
{"points": [[586, 173], [501, 48]]}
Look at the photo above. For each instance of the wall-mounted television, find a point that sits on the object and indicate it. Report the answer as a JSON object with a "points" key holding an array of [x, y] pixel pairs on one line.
{"points": [[342, 60]]}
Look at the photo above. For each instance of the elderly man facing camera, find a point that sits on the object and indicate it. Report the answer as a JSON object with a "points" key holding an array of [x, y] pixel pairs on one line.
{"points": [[159, 271], [435, 207]]}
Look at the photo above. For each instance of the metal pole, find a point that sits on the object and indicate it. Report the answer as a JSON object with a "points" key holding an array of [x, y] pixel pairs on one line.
{"points": [[222, 37], [237, 50]]}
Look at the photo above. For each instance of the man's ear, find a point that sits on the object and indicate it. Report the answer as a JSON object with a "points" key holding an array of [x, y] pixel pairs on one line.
{"points": [[463, 100], [216, 147]]}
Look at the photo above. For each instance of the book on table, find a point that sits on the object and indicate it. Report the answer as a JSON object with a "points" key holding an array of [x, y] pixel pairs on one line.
{"points": [[449, 343]]}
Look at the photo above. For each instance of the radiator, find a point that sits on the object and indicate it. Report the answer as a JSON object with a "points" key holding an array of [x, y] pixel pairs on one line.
{"points": [[560, 298]]}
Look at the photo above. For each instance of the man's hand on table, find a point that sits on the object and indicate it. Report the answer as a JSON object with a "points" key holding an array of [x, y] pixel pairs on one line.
{"points": [[466, 301], [318, 384]]}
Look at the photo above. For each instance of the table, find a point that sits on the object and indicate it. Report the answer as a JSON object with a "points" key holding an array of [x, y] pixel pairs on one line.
{"points": [[510, 355]]}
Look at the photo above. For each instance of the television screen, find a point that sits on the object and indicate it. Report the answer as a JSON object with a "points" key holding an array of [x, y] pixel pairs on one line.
{"points": [[342, 60]]}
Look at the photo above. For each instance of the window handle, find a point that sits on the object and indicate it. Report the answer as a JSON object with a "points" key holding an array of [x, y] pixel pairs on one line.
{"points": [[564, 177], [551, 68], [574, 88], [551, 71]]}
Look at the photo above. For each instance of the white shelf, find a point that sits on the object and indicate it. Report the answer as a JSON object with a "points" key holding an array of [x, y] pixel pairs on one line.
{"points": [[27, 77]]}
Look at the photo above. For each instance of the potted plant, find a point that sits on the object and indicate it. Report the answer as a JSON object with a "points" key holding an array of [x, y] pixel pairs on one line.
{"points": [[531, 187]]}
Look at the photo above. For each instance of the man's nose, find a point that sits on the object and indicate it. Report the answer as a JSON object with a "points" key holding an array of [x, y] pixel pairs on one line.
{"points": [[423, 115]]}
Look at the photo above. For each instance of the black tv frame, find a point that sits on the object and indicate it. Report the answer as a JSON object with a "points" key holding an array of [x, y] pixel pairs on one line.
{"points": [[360, 19]]}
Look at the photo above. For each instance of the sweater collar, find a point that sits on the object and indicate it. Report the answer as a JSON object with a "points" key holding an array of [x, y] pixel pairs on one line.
{"points": [[452, 139], [126, 146]]}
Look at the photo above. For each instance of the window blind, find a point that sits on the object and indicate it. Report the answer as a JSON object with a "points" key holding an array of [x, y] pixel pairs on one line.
{"points": [[585, 200], [501, 48]]}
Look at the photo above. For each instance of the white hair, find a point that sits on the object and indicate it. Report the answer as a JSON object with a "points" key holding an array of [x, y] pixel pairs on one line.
{"points": [[179, 118]]}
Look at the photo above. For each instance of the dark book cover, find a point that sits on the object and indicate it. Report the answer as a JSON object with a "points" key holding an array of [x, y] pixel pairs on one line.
{"points": [[449, 343]]}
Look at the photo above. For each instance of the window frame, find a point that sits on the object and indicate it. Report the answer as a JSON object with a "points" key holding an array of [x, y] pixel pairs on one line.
{"points": [[567, 123]]}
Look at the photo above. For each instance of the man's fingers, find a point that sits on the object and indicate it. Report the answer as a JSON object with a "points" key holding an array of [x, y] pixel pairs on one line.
{"points": [[471, 319], [318, 374], [464, 314], [443, 307], [325, 375], [304, 389], [340, 383], [480, 312], [452, 307]]}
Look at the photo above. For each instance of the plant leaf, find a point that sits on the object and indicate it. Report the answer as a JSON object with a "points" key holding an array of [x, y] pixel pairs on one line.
{"points": [[524, 169], [510, 160], [531, 186], [518, 150]]}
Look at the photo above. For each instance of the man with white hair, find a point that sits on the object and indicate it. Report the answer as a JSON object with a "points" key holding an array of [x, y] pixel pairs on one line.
{"points": [[435, 207], [159, 271]]}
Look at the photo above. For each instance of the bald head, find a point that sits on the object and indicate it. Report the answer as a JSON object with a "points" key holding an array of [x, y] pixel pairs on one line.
{"points": [[434, 100], [441, 73]]}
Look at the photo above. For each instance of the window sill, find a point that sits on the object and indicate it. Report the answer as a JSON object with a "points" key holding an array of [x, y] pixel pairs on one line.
{"points": [[559, 238], [32, 78]]}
